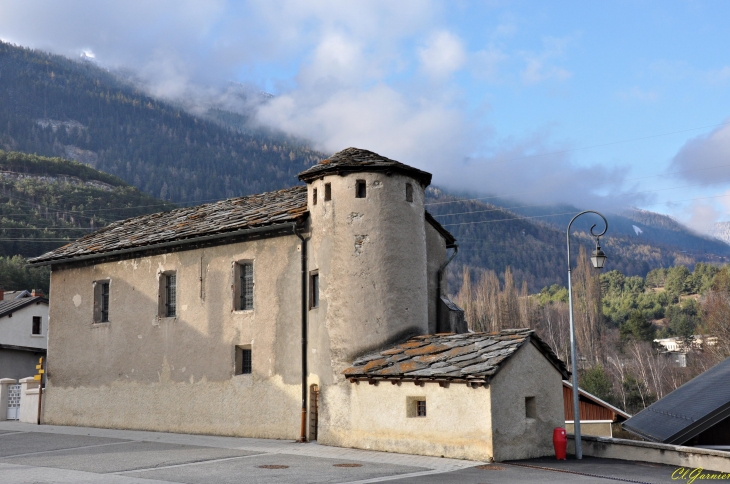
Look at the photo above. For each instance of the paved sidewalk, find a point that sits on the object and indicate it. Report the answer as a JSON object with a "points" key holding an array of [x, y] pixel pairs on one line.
{"points": [[46, 453]]}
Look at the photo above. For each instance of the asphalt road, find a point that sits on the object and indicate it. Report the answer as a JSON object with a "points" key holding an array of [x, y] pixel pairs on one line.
{"points": [[45, 454]]}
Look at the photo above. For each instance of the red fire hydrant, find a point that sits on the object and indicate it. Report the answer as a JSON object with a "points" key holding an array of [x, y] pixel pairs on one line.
{"points": [[560, 442]]}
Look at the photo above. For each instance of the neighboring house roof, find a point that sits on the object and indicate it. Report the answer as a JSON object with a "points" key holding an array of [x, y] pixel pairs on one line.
{"points": [[688, 411], [12, 305], [591, 407], [472, 358], [182, 225], [354, 160]]}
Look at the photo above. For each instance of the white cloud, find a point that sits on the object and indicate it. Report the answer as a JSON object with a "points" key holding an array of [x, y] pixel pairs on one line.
{"points": [[541, 66], [347, 74], [700, 155], [701, 215], [442, 55]]}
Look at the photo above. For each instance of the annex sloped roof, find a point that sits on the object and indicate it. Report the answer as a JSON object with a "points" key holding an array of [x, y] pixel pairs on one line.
{"points": [[354, 160], [9, 306], [231, 215], [467, 358], [687, 411]]}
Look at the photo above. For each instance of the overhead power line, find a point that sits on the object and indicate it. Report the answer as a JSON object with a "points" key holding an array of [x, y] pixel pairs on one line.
{"points": [[553, 204]]}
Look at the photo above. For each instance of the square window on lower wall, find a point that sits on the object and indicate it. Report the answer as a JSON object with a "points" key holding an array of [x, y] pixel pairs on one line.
{"points": [[244, 360], [415, 407]]}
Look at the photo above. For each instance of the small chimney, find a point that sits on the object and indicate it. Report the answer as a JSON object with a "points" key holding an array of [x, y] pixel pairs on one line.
{"points": [[36, 292], [2, 293]]}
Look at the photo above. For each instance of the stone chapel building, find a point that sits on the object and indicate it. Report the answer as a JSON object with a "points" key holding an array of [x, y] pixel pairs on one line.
{"points": [[315, 312]]}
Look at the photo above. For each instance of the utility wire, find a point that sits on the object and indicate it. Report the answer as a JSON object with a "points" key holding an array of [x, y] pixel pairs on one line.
{"points": [[573, 212], [552, 204], [532, 191]]}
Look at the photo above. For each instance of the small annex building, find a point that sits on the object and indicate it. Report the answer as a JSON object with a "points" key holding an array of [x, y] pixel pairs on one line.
{"points": [[473, 395], [244, 317], [695, 414], [23, 332], [597, 416]]}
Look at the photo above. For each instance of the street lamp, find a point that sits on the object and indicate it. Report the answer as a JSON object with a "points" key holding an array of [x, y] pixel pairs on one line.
{"points": [[598, 258]]}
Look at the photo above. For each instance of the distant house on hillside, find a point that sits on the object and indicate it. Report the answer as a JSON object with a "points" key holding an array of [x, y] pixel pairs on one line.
{"points": [[596, 416], [23, 331], [697, 413], [251, 316]]}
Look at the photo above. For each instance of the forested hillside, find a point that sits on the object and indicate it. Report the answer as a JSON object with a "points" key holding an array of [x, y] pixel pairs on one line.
{"points": [[492, 238], [54, 106], [46, 202], [617, 319], [639, 226]]}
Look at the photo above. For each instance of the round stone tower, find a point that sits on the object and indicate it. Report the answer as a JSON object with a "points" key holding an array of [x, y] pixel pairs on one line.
{"points": [[368, 251]]}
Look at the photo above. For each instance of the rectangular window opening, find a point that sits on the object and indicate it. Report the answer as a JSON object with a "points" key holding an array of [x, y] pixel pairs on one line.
{"points": [[171, 295], [409, 192], [37, 325], [101, 302], [530, 407], [314, 196], [327, 192], [245, 286], [244, 362], [313, 290], [360, 189], [105, 302], [420, 408]]}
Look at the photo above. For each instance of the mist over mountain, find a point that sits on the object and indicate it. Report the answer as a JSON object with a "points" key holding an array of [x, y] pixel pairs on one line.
{"points": [[54, 106], [721, 231], [206, 147]]}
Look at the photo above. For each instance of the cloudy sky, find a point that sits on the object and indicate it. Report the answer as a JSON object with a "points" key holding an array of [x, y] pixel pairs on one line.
{"points": [[603, 103]]}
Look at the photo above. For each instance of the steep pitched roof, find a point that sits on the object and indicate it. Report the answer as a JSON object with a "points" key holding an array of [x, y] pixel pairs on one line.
{"points": [[12, 305], [472, 358], [585, 398], [354, 160], [186, 224], [687, 411]]}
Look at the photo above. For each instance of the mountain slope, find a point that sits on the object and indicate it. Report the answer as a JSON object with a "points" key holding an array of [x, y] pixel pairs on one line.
{"points": [[54, 106], [493, 238], [653, 228], [46, 202]]}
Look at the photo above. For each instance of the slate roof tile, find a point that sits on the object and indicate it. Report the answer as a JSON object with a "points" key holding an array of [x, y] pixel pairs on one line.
{"points": [[253, 211], [353, 160], [463, 357]]}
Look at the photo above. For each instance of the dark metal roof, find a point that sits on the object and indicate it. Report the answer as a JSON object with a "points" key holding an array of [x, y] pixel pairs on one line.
{"points": [[687, 411], [472, 358], [356, 160], [12, 305], [184, 224]]}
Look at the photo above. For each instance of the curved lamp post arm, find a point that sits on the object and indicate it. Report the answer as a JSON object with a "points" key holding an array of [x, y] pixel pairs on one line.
{"points": [[573, 354], [567, 232]]}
